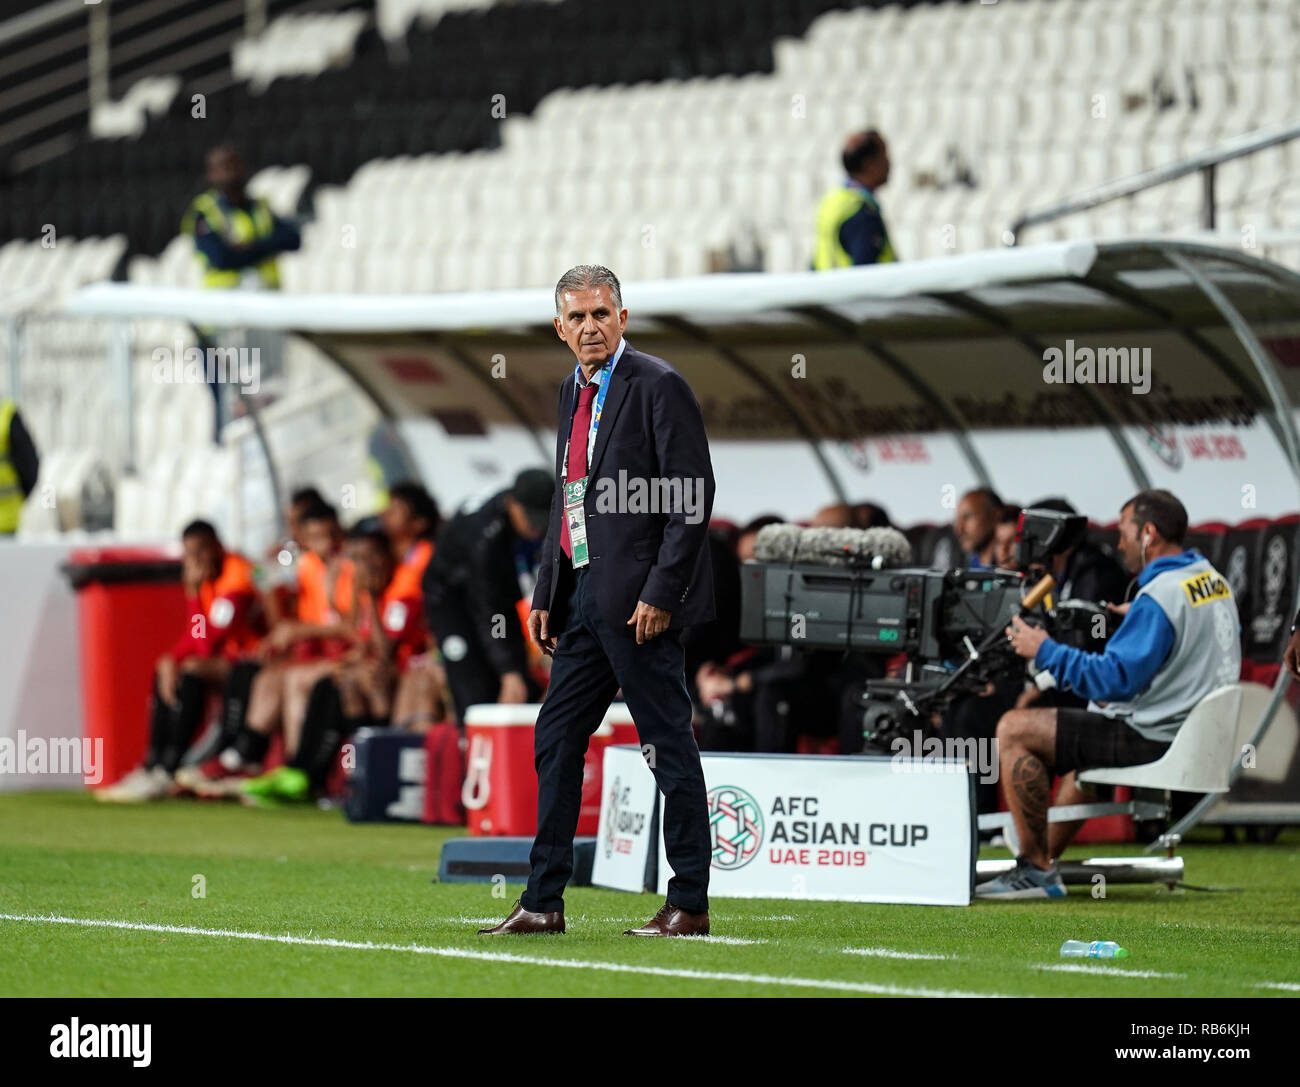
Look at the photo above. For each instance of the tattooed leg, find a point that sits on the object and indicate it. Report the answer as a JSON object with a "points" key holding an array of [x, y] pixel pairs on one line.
{"points": [[1059, 835], [1026, 742], [1033, 789]]}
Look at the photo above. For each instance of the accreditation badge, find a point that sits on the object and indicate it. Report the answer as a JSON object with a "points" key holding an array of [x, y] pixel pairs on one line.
{"points": [[575, 515]]}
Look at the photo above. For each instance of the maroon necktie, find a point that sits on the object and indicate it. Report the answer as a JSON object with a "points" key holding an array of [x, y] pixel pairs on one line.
{"points": [[577, 453]]}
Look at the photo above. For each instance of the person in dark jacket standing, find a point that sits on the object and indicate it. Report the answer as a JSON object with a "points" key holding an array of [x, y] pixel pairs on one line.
{"points": [[483, 565], [625, 567]]}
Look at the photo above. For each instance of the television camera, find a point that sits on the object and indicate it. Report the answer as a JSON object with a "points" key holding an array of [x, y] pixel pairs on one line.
{"points": [[846, 589]]}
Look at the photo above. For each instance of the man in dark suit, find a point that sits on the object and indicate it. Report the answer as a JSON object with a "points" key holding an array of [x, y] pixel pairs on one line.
{"points": [[624, 568]]}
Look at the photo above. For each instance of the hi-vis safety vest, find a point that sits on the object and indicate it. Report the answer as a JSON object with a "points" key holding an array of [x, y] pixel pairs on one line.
{"points": [[11, 490], [237, 227], [837, 207]]}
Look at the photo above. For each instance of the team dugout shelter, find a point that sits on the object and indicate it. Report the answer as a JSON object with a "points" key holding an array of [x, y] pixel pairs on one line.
{"points": [[1087, 370]]}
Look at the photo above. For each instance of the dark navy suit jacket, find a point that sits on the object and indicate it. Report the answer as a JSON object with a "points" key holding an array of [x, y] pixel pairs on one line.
{"points": [[650, 430]]}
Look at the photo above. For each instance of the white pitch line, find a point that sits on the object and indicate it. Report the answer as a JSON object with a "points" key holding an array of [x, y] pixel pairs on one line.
{"points": [[1289, 986], [1103, 971], [504, 957], [890, 953]]}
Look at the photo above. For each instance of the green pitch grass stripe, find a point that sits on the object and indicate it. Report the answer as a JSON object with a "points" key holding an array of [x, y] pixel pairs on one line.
{"points": [[502, 957]]}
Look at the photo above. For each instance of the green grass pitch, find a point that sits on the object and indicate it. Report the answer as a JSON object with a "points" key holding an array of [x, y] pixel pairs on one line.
{"points": [[300, 902]]}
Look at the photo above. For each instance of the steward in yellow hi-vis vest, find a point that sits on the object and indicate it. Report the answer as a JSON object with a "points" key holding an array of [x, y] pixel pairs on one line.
{"points": [[236, 236], [19, 466], [850, 227]]}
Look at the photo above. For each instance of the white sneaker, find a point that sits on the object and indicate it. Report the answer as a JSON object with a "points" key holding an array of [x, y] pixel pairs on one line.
{"points": [[138, 786]]}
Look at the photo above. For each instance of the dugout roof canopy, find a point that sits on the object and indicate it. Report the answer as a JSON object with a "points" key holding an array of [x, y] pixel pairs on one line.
{"points": [[1188, 334]]}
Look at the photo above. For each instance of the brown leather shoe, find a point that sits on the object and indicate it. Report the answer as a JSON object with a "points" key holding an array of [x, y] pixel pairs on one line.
{"points": [[522, 921], [671, 921]]}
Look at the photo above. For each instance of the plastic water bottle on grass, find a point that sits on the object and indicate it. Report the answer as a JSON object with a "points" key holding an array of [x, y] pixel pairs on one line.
{"points": [[1097, 949]]}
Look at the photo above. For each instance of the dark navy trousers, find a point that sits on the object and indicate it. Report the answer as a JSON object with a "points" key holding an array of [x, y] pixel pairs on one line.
{"points": [[590, 664]]}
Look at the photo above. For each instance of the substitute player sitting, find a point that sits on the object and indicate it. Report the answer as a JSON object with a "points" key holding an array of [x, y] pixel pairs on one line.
{"points": [[225, 623], [295, 654], [366, 686]]}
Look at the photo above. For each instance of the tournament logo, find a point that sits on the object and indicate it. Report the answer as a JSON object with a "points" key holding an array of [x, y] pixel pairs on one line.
{"points": [[1273, 578], [856, 453], [611, 827], [1163, 442], [1225, 632], [1275, 568], [735, 827], [1236, 572]]}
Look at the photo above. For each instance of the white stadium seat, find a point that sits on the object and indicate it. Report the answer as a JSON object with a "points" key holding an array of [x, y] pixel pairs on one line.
{"points": [[1038, 98], [1200, 757]]}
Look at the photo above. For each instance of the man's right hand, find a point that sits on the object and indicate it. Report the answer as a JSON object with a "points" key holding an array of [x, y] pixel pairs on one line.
{"points": [[1291, 658], [540, 632]]}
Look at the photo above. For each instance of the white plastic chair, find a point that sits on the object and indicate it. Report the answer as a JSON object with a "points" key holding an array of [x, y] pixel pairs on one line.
{"points": [[1200, 757], [1199, 760]]}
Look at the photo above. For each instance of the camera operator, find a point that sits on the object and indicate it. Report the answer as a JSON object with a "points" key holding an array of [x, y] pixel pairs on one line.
{"points": [[1004, 537], [985, 528], [1085, 571], [1082, 572], [1177, 642], [975, 526]]}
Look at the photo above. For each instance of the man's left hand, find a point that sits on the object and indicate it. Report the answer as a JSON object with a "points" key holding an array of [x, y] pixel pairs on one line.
{"points": [[649, 621], [1025, 639]]}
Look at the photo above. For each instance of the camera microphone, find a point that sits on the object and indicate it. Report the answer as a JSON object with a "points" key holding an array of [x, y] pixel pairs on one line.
{"points": [[876, 548]]}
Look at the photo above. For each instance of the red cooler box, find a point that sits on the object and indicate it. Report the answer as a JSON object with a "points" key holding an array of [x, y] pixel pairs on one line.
{"points": [[500, 792], [616, 728], [130, 609]]}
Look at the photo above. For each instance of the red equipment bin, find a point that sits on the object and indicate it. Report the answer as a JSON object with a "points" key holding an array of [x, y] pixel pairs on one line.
{"points": [[500, 792], [130, 609]]}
